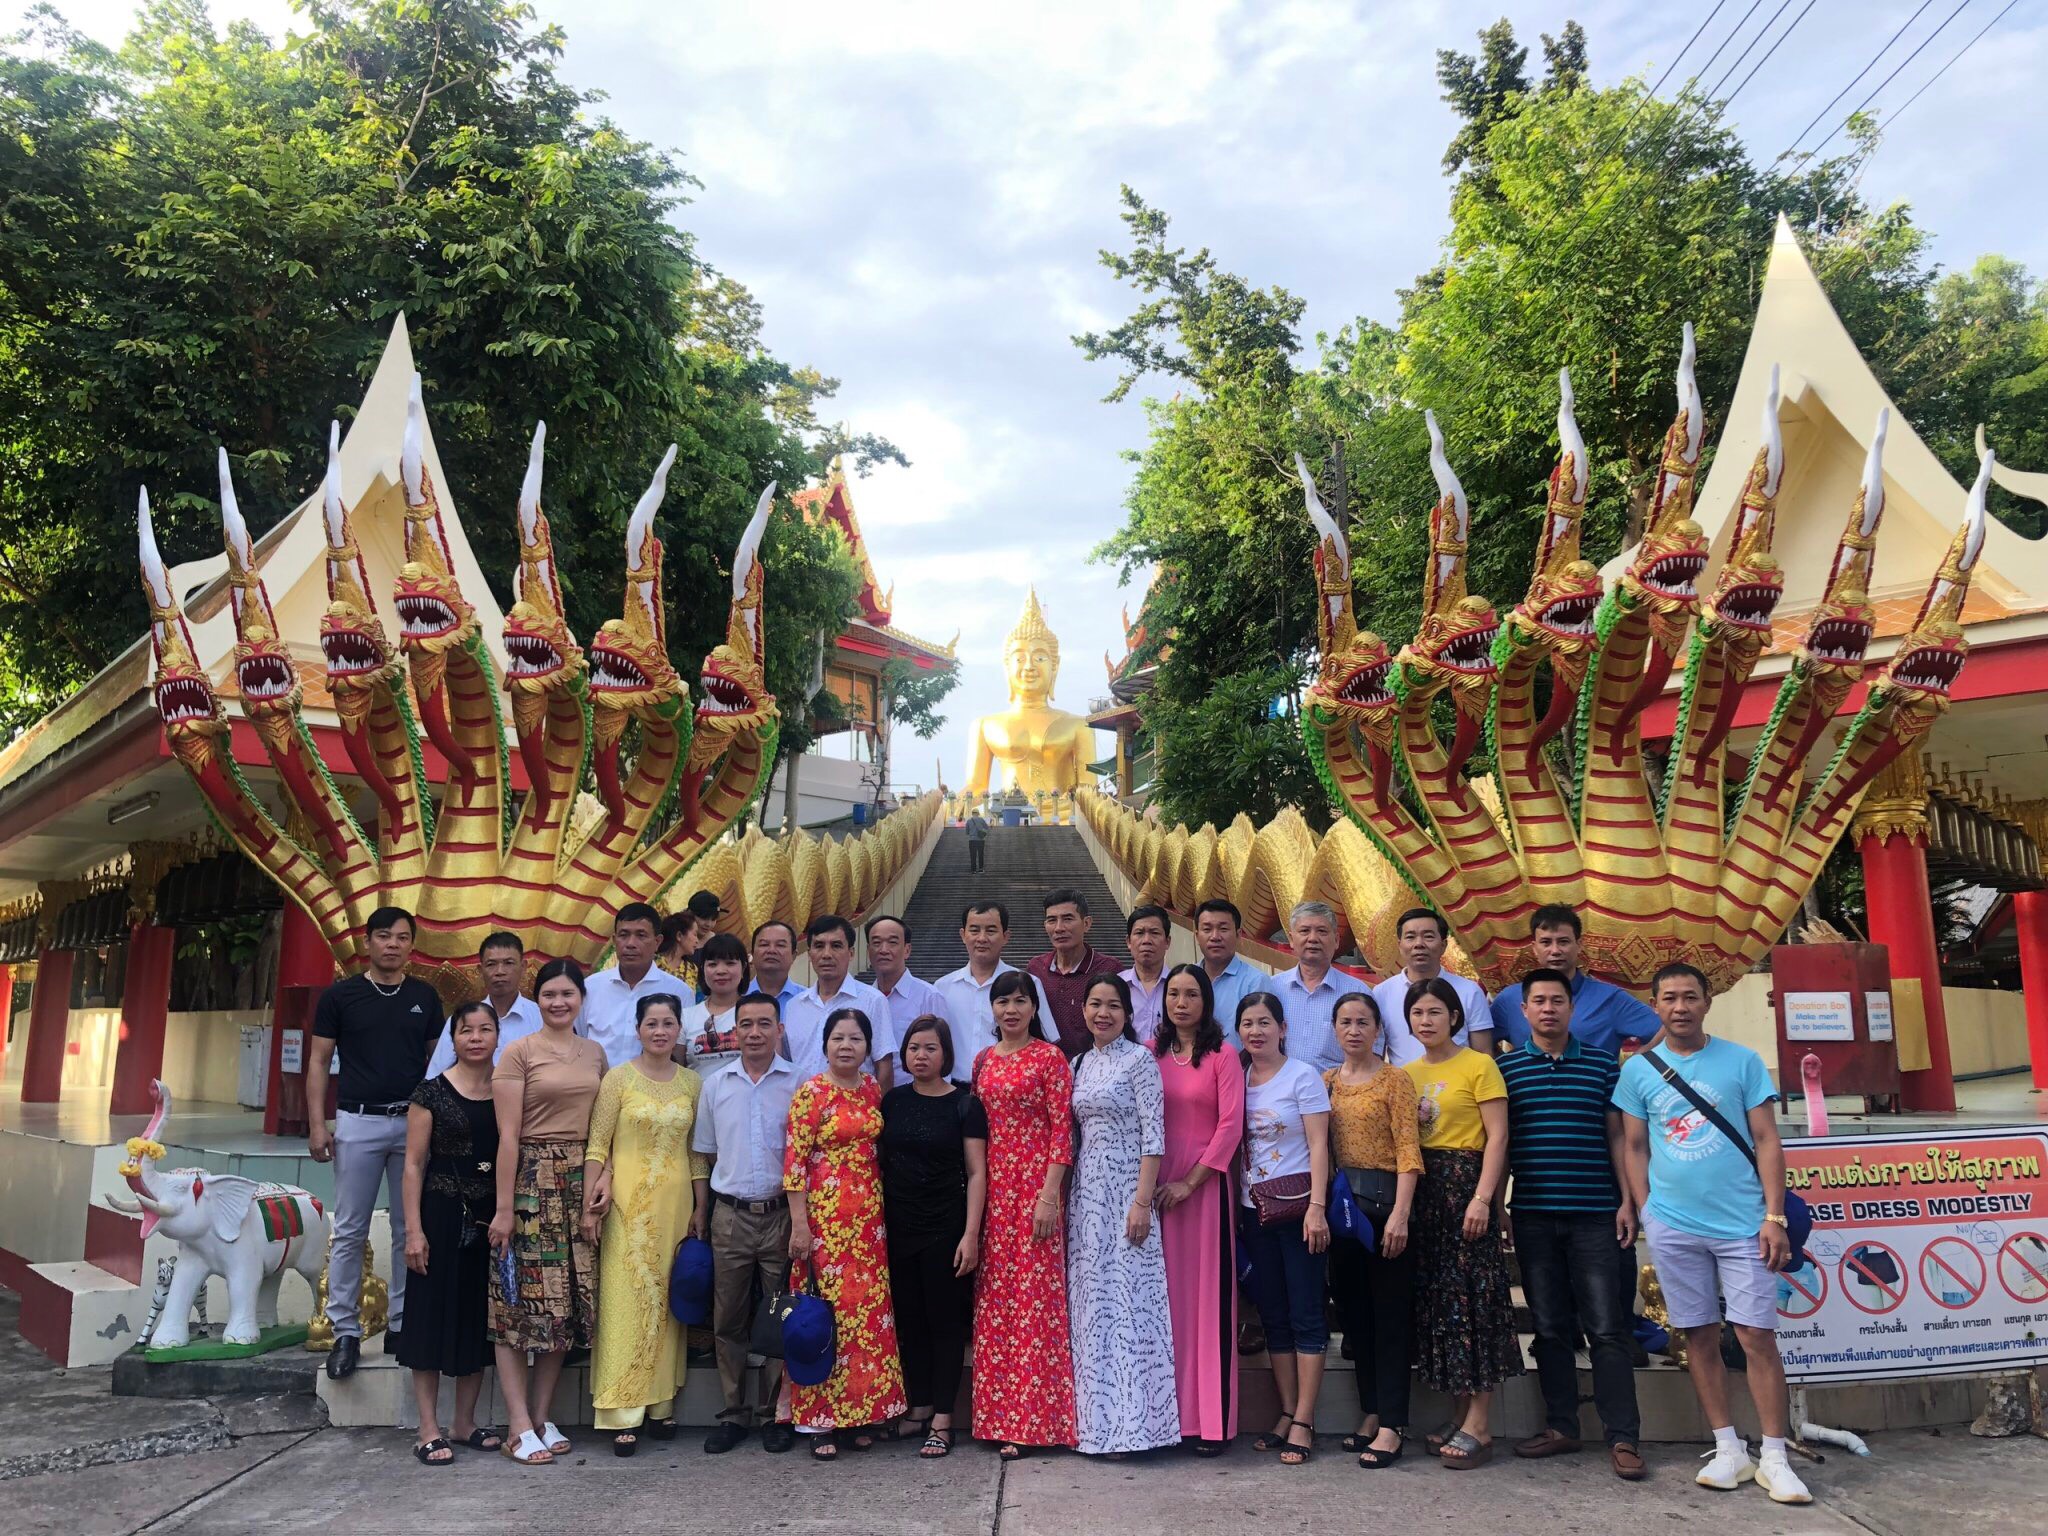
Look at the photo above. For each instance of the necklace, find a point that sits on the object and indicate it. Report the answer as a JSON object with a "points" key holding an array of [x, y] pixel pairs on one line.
{"points": [[1183, 1057], [372, 980]]}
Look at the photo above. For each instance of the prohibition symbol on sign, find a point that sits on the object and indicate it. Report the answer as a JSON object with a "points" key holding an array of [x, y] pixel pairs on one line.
{"points": [[2023, 1268], [1873, 1278], [1952, 1273], [1802, 1290]]}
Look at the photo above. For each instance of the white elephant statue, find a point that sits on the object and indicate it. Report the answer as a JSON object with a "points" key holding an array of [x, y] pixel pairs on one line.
{"points": [[247, 1233]]}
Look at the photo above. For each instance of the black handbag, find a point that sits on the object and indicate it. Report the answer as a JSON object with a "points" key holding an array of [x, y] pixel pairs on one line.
{"points": [[1373, 1190], [769, 1316]]}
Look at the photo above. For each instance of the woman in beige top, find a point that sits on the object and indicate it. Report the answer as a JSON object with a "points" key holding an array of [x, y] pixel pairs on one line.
{"points": [[544, 1087]]}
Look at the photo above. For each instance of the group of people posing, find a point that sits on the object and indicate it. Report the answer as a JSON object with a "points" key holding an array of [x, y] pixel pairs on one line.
{"points": [[1070, 1169]]}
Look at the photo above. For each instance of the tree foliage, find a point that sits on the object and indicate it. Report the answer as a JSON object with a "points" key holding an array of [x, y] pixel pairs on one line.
{"points": [[205, 237]]}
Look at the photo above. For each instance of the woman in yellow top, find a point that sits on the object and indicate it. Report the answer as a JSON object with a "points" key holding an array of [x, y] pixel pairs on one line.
{"points": [[1465, 1340], [1373, 1139], [638, 1204]]}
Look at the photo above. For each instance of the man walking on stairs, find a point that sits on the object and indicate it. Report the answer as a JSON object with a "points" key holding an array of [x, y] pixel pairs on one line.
{"points": [[977, 840]]}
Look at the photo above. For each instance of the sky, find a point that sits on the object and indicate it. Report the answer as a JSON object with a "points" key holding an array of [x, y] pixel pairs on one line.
{"points": [[917, 194]]}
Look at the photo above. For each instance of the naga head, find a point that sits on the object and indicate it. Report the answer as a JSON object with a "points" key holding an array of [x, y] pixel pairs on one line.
{"points": [[191, 713], [1930, 656], [540, 653], [433, 617], [1454, 644], [1354, 684], [1839, 629], [1665, 573], [733, 688], [264, 674], [1564, 594], [352, 639], [1738, 615], [630, 674]]}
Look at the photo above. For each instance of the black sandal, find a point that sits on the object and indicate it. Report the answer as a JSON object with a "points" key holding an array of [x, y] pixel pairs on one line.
{"points": [[825, 1448], [907, 1428], [424, 1454], [937, 1443], [1208, 1448], [1372, 1457], [1274, 1439], [661, 1429], [1352, 1444], [1292, 1455], [1009, 1450], [481, 1439], [625, 1443]]}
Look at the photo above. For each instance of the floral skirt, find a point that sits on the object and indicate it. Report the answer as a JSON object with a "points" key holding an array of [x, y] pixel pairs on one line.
{"points": [[556, 1269], [1464, 1316]]}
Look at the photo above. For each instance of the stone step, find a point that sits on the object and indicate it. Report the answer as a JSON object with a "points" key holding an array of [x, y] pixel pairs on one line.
{"points": [[1023, 863]]}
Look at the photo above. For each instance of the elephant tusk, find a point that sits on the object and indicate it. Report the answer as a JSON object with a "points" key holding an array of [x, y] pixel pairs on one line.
{"points": [[151, 1207], [125, 1207]]}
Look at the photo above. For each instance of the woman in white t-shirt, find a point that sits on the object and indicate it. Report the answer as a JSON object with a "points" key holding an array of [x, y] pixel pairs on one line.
{"points": [[1286, 1231], [709, 1035]]}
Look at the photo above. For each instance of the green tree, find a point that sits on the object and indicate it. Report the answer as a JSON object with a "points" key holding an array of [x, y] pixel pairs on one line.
{"points": [[1483, 89], [204, 237]]}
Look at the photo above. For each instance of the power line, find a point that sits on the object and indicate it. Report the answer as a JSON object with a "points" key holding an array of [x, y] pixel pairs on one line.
{"points": [[1732, 34], [1714, 91], [1866, 69], [1760, 63], [1893, 116], [1887, 80]]}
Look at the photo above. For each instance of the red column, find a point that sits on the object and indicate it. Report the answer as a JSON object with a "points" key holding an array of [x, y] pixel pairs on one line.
{"points": [[145, 1010], [304, 965], [2030, 924], [6, 1011], [49, 1017], [1901, 916]]}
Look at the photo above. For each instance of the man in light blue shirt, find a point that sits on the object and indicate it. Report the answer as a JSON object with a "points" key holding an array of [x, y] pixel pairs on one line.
{"points": [[501, 961], [774, 952], [1604, 1018], [1146, 932], [1422, 935], [1308, 994], [1219, 927], [830, 943]]}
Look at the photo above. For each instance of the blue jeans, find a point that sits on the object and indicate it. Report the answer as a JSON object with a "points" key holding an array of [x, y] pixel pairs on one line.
{"points": [[1287, 1287], [1568, 1278]]}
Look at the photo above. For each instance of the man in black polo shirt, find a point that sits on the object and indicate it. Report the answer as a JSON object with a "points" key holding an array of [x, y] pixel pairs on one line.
{"points": [[385, 1023], [1570, 1219]]}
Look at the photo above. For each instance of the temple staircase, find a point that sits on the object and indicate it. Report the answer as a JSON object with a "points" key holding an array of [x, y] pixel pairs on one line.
{"points": [[1023, 863]]}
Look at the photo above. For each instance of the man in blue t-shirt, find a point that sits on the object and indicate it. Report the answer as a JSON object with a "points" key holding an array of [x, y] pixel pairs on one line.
{"points": [[1714, 1221], [1603, 1016]]}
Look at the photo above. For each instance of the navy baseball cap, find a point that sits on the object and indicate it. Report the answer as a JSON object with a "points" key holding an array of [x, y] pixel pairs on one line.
{"points": [[809, 1347], [689, 1282]]}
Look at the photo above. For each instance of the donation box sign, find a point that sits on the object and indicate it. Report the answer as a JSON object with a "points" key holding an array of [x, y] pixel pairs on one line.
{"points": [[1929, 1256]]}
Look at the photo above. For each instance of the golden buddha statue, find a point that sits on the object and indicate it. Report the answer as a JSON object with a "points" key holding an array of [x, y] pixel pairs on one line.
{"points": [[1042, 750]]}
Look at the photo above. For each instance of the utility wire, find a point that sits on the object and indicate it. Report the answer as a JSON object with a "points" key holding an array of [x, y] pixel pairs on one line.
{"points": [[1760, 63], [1887, 80], [1893, 116], [1866, 69], [1714, 91], [1732, 34]]}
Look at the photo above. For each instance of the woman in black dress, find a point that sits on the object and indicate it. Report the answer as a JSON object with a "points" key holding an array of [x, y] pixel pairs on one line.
{"points": [[934, 1180], [451, 1144]]}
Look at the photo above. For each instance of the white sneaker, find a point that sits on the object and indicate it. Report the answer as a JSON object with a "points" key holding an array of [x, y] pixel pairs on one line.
{"points": [[1775, 1476], [1726, 1469]]}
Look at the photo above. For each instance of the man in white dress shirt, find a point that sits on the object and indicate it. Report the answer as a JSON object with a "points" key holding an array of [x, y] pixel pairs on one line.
{"points": [[829, 942], [1422, 935], [1308, 994], [774, 952], [612, 994], [1145, 935], [985, 930], [501, 960], [910, 997]]}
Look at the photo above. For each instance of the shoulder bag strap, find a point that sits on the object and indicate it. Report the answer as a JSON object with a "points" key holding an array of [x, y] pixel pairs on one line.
{"points": [[1692, 1096]]}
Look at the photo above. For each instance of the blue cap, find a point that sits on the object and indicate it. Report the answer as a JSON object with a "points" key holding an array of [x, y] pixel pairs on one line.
{"points": [[808, 1345], [689, 1282]]}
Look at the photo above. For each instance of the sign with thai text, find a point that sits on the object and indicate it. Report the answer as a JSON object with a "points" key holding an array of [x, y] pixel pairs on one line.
{"points": [[1929, 1256]]}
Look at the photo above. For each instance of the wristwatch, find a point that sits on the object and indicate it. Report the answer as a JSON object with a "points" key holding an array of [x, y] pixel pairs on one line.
{"points": [[1776, 1221]]}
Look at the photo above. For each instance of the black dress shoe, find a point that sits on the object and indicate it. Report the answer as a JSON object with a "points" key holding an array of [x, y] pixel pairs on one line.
{"points": [[778, 1438], [725, 1437], [341, 1360]]}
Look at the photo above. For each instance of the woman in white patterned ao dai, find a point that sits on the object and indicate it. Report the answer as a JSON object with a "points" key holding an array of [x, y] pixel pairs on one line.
{"points": [[1122, 1331]]}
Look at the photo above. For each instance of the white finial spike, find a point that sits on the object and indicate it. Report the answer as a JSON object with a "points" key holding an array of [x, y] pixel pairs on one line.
{"points": [[642, 520], [750, 543], [152, 561], [1774, 439], [231, 523], [330, 488], [1873, 474], [1569, 439], [1689, 396], [1973, 538], [1326, 525], [1446, 478], [411, 456], [529, 489]]}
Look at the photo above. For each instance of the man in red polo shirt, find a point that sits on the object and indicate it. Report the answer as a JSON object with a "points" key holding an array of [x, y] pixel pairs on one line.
{"points": [[1064, 974]]}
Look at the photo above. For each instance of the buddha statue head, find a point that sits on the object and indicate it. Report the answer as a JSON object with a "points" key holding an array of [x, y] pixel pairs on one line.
{"points": [[1031, 655]]}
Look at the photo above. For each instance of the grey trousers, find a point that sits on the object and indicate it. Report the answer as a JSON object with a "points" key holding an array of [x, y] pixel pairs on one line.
{"points": [[368, 1150]]}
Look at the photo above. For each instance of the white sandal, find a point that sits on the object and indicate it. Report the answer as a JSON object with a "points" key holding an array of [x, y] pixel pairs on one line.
{"points": [[529, 1450], [554, 1439]]}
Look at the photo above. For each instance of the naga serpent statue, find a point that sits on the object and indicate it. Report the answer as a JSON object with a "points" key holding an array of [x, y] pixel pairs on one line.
{"points": [[1678, 865], [667, 780]]}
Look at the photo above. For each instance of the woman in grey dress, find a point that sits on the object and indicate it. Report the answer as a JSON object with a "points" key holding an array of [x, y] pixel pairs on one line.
{"points": [[1122, 1329]]}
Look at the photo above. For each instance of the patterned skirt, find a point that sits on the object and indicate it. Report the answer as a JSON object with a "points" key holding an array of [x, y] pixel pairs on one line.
{"points": [[556, 1268], [1464, 1316]]}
